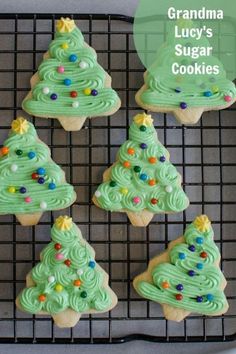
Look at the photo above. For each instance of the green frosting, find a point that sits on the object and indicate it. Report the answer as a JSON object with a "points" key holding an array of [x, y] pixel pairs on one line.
{"points": [[161, 83], [125, 184], [90, 75], [202, 293], [16, 172], [92, 294]]}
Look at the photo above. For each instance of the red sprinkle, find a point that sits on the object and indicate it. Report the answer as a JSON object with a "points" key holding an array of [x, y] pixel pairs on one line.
{"points": [[57, 246], [179, 297], [203, 254], [154, 201], [35, 176], [67, 262], [73, 94]]}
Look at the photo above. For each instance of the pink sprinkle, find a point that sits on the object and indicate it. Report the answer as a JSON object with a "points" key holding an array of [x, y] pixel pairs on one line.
{"points": [[228, 98], [136, 200], [59, 256], [60, 69], [28, 200]]}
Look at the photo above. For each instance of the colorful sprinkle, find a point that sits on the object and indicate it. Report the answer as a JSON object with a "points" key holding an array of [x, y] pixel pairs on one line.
{"points": [[28, 200], [91, 264], [98, 194], [154, 201], [57, 246], [14, 167], [35, 176], [19, 152], [191, 273], [41, 180], [143, 177], [162, 158], [203, 254], [73, 94], [60, 69], [83, 294], [215, 89], [65, 46], [152, 159], [22, 190], [199, 266], [94, 92], [131, 151], [165, 285], [58, 288], [75, 104], [169, 189], [43, 205], [199, 240], [51, 186], [137, 169], [179, 297], [199, 299], [67, 262], [136, 200], [126, 164], [87, 91], [210, 297], [51, 279], [53, 96], [180, 287], [42, 297], [41, 171], [192, 248], [80, 272], [67, 82], [45, 90], [182, 255], [143, 146], [152, 182], [183, 105], [112, 184], [31, 155], [77, 282], [124, 191], [83, 64], [4, 150], [11, 189], [143, 128], [207, 93], [59, 256], [73, 58], [227, 98]]}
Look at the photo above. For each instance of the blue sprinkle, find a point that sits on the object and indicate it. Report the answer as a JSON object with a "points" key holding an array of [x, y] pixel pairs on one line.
{"points": [[143, 177], [92, 264], [31, 155], [73, 57], [210, 297], [207, 93], [199, 240], [41, 171], [52, 186], [182, 255], [199, 266]]}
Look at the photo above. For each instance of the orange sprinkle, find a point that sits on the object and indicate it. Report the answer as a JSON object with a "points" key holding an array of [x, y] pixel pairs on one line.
{"points": [[126, 164], [42, 298], [152, 159], [131, 151], [77, 282], [165, 285], [152, 182], [4, 150]]}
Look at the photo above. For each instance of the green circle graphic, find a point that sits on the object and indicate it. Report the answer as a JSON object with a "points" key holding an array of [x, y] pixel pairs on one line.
{"points": [[187, 38]]}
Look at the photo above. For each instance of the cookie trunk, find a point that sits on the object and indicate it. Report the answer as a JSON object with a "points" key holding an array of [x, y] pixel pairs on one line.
{"points": [[67, 318], [72, 124], [174, 314], [29, 219], [141, 218]]}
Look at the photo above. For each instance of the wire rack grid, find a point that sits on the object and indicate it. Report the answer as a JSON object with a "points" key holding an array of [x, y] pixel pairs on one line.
{"points": [[204, 154]]}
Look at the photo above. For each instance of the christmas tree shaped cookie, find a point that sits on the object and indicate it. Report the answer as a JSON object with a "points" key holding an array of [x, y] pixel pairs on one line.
{"points": [[187, 96], [30, 182], [70, 85], [67, 282], [142, 182], [186, 277]]}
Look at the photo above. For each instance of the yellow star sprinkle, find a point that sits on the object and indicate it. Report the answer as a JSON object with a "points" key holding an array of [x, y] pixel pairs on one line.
{"points": [[63, 223], [202, 223], [143, 119], [20, 125], [65, 25]]}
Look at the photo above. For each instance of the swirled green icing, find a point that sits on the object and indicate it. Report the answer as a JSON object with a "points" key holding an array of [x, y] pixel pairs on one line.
{"points": [[92, 76], [160, 82], [207, 280], [167, 191], [93, 283], [14, 203]]}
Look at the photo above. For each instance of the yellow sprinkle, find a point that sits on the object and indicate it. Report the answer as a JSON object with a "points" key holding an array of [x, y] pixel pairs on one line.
{"points": [[202, 223], [64, 46], [87, 91], [63, 223], [215, 89], [143, 119], [124, 190], [12, 190], [59, 288], [65, 25]]}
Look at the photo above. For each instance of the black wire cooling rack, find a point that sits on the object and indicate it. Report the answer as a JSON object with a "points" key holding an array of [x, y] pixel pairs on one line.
{"points": [[204, 154]]}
